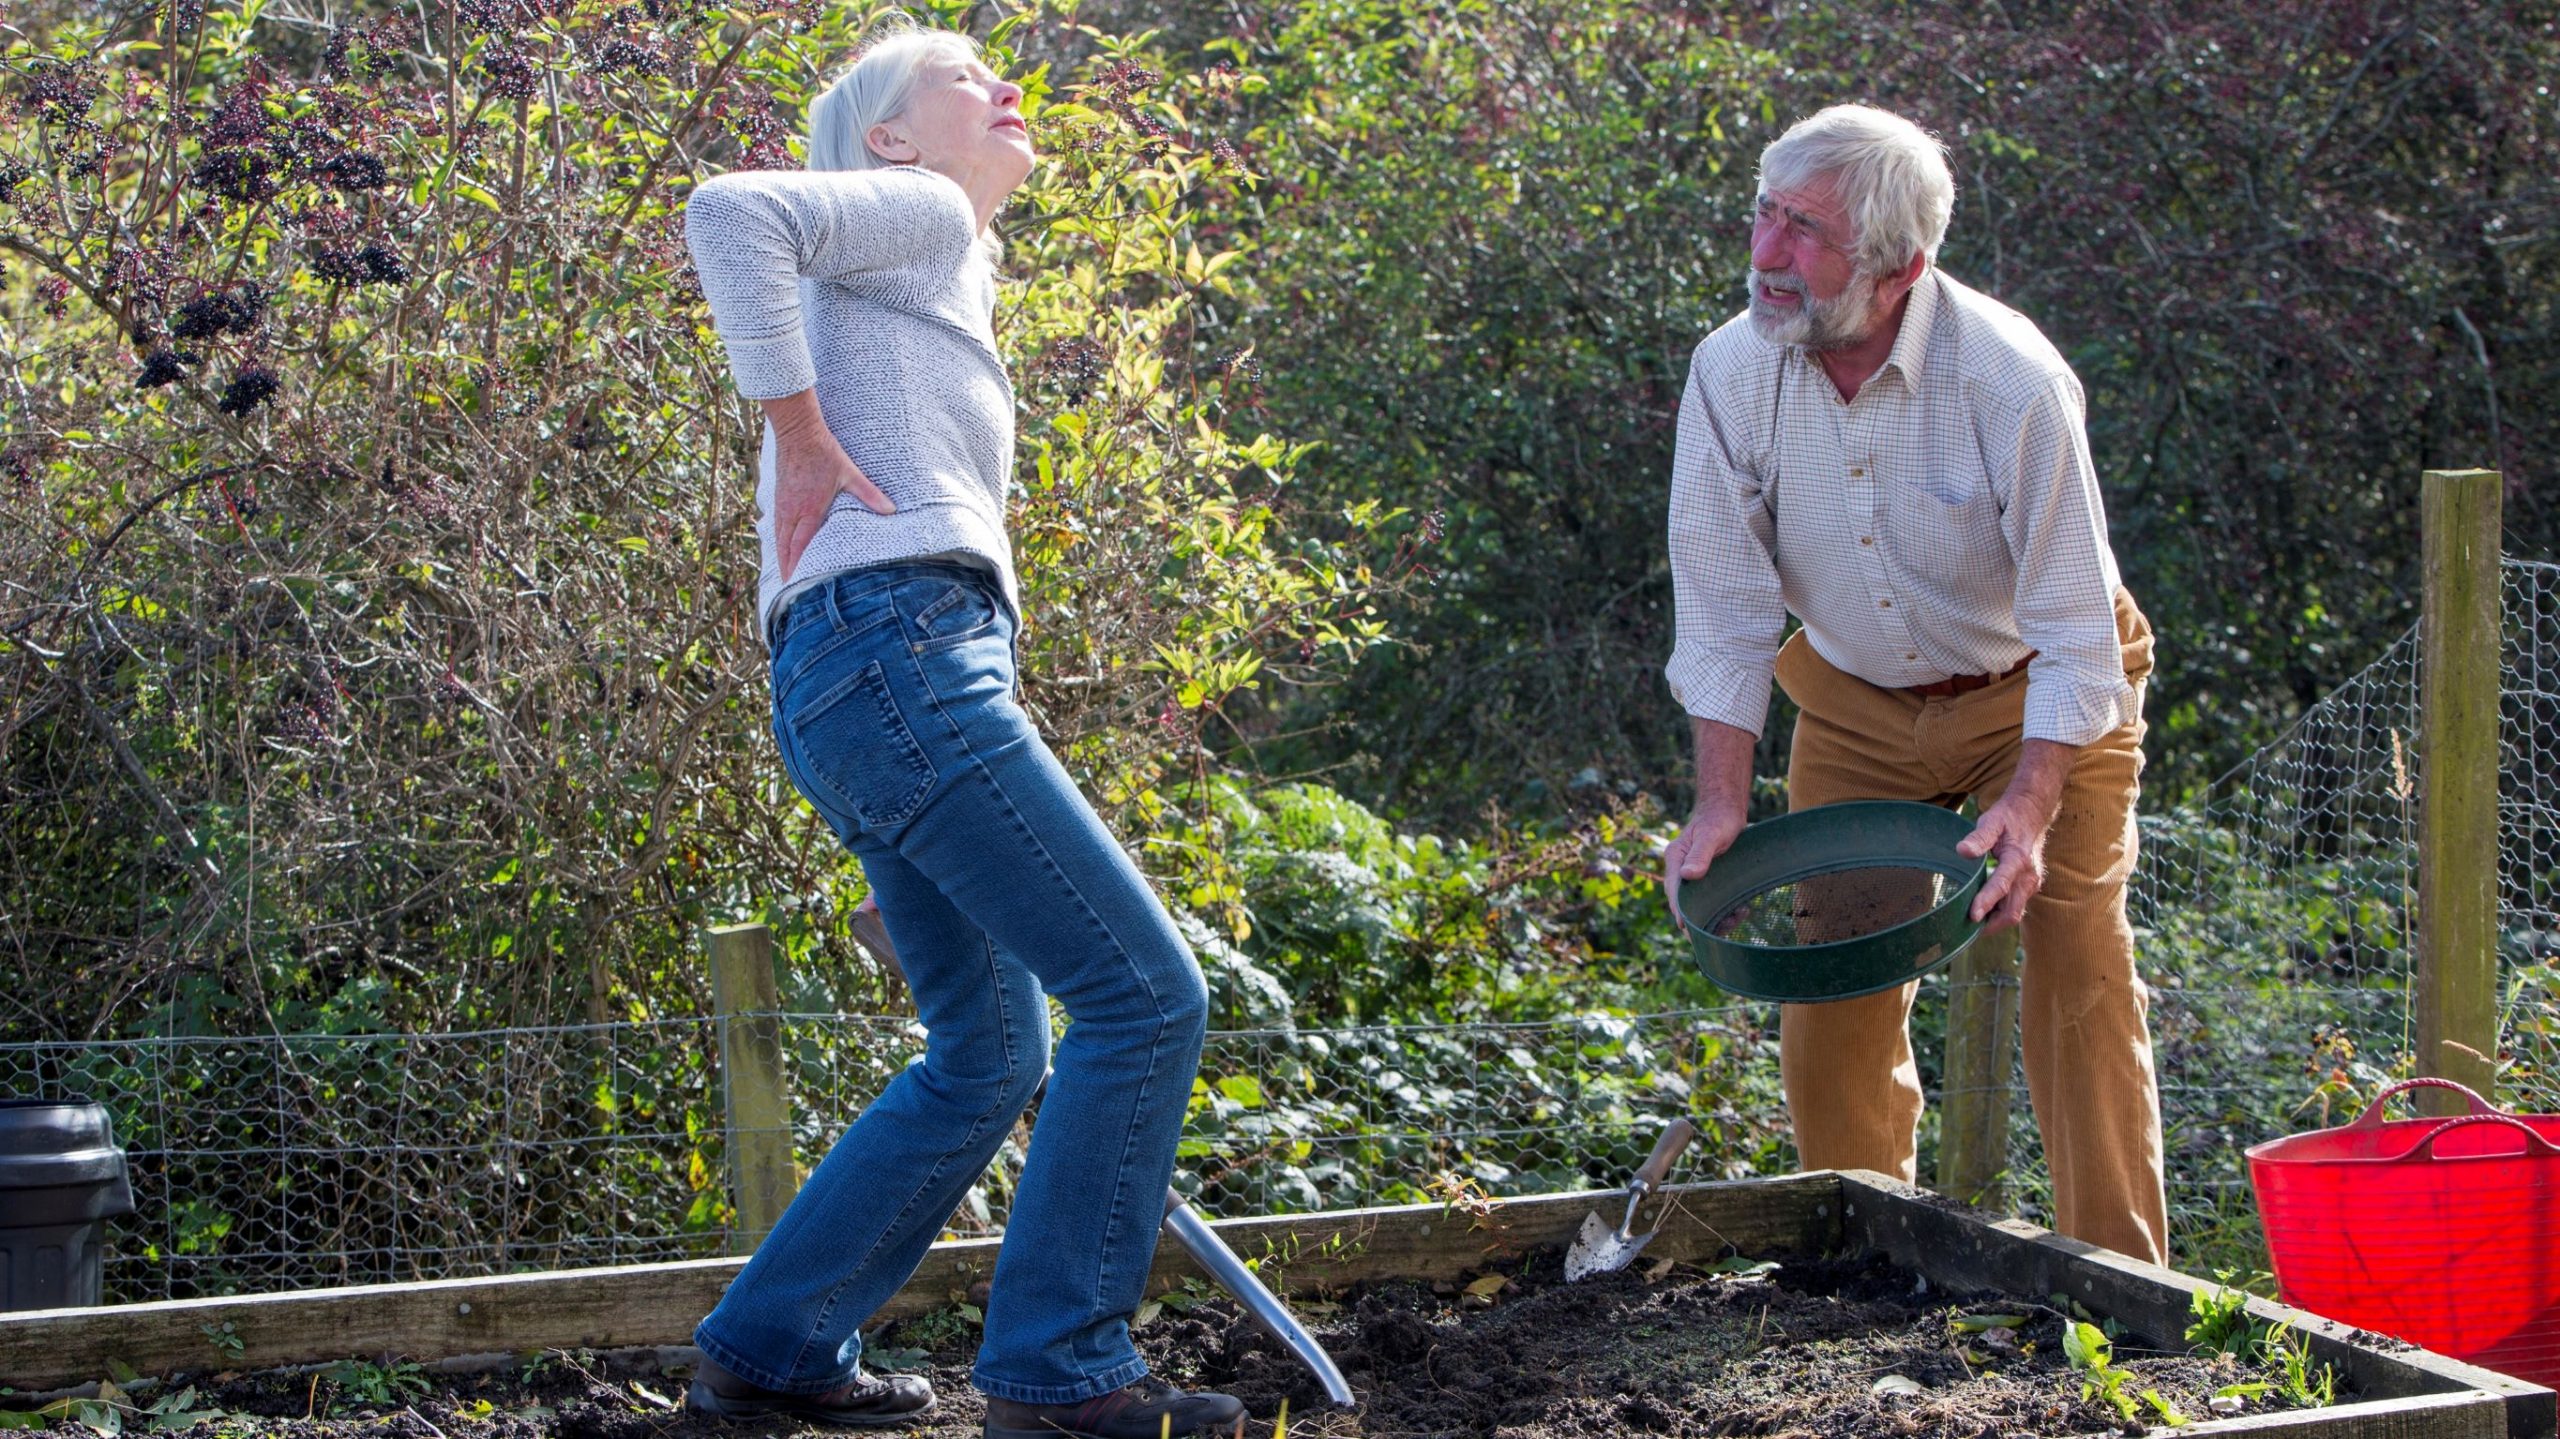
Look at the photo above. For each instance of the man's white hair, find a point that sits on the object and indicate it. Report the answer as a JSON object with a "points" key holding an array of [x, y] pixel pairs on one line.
{"points": [[1892, 178], [876, 87]]}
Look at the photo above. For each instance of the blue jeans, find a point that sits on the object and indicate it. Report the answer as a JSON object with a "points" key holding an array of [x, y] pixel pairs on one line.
{"points": [[893, 704]]}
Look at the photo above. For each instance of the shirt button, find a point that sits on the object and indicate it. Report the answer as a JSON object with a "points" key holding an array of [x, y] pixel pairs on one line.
{"points": [[1884, 604], [1866, 539], [1856, 473], [1911, 657]]}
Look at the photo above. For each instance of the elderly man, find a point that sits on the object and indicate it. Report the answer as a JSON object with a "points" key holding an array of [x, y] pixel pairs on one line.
{"points": [[1899, 462]]}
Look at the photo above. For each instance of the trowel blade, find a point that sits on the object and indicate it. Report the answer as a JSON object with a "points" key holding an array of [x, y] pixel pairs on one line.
{"points": [[1597, 1249]]}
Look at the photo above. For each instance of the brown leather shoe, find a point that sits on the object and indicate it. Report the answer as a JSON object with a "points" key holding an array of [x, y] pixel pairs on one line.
{"points": [[869, 1402], [1133, 1411]]}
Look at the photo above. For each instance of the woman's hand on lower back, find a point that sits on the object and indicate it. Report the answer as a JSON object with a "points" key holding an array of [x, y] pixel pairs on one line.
{"points": [[809, 470]]}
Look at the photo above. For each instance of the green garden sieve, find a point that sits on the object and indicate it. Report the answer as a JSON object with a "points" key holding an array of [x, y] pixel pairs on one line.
{"points": [[1834, 902]]}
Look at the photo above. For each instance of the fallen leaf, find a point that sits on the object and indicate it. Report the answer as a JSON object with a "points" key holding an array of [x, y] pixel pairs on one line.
{"points": [[1488, 1286], [650, 1396], [1654, 1272], [1976, 1323]]}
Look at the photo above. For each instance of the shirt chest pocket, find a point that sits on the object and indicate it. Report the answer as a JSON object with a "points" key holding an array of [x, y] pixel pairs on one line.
{"points": [[1947, 501]]}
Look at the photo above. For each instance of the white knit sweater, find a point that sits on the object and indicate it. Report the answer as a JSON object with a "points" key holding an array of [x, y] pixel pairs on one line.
{"points": [[873, 286]]}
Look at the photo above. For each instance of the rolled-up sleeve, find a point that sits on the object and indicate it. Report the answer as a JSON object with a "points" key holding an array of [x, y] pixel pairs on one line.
{"points": [[2067, 577], [1727, 608], [756, 234]]}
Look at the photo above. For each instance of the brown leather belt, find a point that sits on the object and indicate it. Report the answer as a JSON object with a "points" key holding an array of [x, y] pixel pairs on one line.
{"points": [[1954, 685]]}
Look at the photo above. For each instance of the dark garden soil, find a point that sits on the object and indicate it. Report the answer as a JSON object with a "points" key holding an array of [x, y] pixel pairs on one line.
{"points": [[1819, 1348]]}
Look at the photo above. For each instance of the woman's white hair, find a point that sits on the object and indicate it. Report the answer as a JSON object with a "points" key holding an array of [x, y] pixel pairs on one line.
{"points": [[876, 87], [1891, 174]]}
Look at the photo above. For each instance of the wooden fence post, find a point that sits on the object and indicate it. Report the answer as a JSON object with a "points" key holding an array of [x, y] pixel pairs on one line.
{"points": [[1982, 1029], [756, 1096], [2458, 690]]}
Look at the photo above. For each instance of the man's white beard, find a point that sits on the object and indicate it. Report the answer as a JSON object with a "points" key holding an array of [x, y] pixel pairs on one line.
{"points": [[1833, 324]]}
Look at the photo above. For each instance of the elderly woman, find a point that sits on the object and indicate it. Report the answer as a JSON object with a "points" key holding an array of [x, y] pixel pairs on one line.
{"points": [[855, 302]]}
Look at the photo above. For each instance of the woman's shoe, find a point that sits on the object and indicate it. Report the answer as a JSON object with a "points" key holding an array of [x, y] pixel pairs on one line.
{"points": [[1133, 1411], [869, 1402]]}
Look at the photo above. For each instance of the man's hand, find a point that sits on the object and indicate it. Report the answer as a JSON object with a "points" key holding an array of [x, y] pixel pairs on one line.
{"points": [[1724, 801], [809, 470], [2012, 832], [1710, 832]]}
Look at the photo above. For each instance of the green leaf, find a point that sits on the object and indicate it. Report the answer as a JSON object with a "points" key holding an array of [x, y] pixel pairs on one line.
{"points": [[2085, 1346]]}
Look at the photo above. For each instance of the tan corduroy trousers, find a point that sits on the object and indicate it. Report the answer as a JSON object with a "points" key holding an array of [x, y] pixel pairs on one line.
{"points": [[1852, 1087]]}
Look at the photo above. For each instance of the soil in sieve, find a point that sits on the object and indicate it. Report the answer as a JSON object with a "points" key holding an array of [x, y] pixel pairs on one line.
{"points": [[1654, 1350], [1846, 904]]}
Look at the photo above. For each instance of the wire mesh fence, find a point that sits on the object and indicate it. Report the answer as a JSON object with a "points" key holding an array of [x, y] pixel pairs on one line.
{"points": [[2274, 922], [294, 1161]]}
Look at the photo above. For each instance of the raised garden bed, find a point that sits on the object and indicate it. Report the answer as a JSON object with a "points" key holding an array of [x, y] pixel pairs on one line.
{"points": [[1447, 1321]]}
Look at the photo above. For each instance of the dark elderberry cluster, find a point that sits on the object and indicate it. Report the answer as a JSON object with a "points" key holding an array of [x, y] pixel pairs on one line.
{"points": [[764, 136], [165, 366], [372, 264], [1116, 90], [22, 461], [1124, 79], [144, 274], [241, 499], [233, 311], [380, 43], [623, 55], [239, 160], [591, 432], [1240, 365], [250, 155], [306, 721], [12, 175], [355, 170], [1076, 367], [61, 92], [255, 385], [512, 76], [498, 17]]}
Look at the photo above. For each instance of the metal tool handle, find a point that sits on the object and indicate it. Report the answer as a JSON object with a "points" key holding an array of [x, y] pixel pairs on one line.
{"points": [[1213, 1255], [1667, 1150]]}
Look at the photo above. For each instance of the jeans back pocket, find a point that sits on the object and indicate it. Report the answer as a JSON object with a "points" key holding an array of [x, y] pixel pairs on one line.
{"points": [[964, 610], [853, 752]]}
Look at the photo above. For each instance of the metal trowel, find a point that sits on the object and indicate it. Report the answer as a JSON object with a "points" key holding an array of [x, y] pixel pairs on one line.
{"points": [[1598, 1249]]}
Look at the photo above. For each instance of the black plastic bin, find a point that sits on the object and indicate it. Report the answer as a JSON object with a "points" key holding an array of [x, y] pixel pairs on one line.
{"points": [[61, 1179]]}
